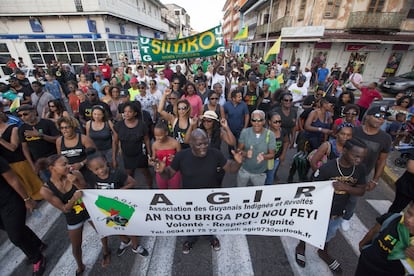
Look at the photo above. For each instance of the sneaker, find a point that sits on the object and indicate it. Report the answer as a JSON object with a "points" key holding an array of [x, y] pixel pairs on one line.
{"points": [[187, 247], [345, 225], [39, 267], [122, 248], [215, 244], [141, 251]]}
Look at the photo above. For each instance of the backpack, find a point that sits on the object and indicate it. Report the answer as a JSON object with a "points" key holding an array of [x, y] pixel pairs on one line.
{"points": [[384, 225]]}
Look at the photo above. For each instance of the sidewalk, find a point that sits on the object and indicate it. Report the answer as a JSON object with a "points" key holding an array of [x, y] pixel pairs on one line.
{"points": [[392, 172]]}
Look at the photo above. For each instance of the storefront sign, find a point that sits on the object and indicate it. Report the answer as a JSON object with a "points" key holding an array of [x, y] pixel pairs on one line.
{"points": [[307, 31], [363, 47], [299, 210], [207, 43]]}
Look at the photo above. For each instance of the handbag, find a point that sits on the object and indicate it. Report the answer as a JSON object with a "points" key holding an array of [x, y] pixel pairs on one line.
{"points": [[324, 157]]}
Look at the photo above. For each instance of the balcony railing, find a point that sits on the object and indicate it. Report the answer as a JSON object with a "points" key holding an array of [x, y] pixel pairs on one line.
{"points": [[380, 21], [275, 27]]}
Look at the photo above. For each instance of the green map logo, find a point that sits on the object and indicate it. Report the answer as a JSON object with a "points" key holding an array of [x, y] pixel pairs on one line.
{"points": [[117, 213]]}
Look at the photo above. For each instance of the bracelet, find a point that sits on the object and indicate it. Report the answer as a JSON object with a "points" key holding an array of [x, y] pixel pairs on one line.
{"points": [[319, 129], [27, 199], [375, 182]]}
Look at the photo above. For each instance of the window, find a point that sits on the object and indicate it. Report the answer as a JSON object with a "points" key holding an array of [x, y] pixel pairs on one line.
{"points": [[73, 46], [302, 9], [86, 46], [332, 8], [265, 18], [3, 48], [100, 46], [59, 46], [45, 47], [376, 5]]}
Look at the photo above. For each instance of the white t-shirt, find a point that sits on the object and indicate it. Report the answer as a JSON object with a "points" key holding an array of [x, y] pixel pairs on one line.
{"points": [[162, 84], [357, 78], [217, 78], [297, 93], [308, 76]]}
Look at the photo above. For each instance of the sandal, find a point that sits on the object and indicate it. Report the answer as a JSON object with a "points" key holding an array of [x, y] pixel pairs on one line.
{"points": [[333, 264], [300, 256], [106, 260]]}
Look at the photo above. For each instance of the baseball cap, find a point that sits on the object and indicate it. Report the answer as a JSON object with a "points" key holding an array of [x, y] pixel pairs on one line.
{"points": [[25, 107], [378, 109], [209, 114], [253, 78], [133, 80]]}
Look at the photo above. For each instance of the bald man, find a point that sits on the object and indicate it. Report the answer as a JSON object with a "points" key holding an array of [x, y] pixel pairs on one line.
{"points": [[199, 166]]}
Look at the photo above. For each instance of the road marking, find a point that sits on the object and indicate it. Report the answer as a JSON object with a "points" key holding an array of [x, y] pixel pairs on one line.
{"points": [[91, 248], [381, 206], [161, 258], [314, 265], [234, 247], [355, 233], [12, 255]]}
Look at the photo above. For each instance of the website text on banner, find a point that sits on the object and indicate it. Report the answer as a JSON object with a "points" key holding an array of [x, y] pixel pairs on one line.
{"points": [[299, 210], [208, 43]]}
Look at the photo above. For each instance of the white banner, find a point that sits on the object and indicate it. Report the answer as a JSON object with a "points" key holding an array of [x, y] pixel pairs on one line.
{"points": [[299, 210]]}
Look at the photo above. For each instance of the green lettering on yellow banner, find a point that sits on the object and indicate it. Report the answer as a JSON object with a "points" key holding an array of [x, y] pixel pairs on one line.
{"points": [[208, 43]]}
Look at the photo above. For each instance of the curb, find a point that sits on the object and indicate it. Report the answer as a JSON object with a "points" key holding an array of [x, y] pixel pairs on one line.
{"points": [[389, 177]]}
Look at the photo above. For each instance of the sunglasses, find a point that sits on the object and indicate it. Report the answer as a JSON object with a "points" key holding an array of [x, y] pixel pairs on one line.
{"points": [[176, 83], [351, 113], [65, 127], [287, 100], [172, 99], [214, 98], [23, 114], [141, 87], [380, 116], [91, 94], [277, 121], [182, 108], [257, 120], [50, 106]]}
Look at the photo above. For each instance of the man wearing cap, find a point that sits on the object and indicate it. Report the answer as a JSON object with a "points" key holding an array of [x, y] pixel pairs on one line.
{"points": [[299, 91], [379, 145], [38, 136], [368, 95], [99, 83], [252, 93], [21, 77]]}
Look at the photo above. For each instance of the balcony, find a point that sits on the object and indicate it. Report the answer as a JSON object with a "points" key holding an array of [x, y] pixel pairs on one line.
{"points": [[275, 27], [379, 22]]}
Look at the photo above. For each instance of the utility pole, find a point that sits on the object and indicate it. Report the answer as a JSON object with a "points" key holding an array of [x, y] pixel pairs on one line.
{"points": [[268, 23]]}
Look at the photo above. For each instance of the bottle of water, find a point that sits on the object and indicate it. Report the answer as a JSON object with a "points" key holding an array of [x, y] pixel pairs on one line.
{"points": [[36, 213]]}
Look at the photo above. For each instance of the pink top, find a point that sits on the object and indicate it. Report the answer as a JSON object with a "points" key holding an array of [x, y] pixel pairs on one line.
{"points": [[169, 153], [339, 121], [367, 97], [196, 104]]}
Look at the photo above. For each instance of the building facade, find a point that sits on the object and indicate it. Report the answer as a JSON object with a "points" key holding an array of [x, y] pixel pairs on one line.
{"points": [[373, 36], [77, 30]]}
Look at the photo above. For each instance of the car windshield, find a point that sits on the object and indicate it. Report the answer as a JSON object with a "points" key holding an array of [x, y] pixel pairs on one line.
{"points": [[409, 75]]}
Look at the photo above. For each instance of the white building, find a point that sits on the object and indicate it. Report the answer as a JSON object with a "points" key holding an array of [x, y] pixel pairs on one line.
{"points": [[76, 30]]}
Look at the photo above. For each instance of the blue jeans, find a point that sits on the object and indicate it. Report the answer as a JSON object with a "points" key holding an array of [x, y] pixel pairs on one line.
{"points": [[333, 227], [270, 174]]}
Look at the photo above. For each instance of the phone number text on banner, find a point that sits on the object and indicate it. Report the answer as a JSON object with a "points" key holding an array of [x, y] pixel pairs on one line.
{"points": [[208, 43], [299, 210]]}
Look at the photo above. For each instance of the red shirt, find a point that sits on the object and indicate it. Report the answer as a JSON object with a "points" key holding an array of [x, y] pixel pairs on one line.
{"points": [[106, 71], [168, 73], [367, 97]]}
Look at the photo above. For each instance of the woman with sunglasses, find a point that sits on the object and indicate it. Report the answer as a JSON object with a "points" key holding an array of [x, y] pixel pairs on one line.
{"points": [[346, 97], [190, 94], [175, 87], [147, 101], [73, 144], [213, 105], [100, 130], [217, 130], [282, 144], [288, 115], [179, 121], [56, 111], [350, 116]]}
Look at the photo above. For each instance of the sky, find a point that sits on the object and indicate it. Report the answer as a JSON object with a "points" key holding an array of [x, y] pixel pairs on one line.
{"points": [[204, 14]]}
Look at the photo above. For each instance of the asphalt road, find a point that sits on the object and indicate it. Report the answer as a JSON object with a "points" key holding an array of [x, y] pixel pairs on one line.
{"points": [[240, 255]]}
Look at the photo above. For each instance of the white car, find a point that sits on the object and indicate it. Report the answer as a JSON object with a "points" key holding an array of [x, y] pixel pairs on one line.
{"points": [[28, 72]]}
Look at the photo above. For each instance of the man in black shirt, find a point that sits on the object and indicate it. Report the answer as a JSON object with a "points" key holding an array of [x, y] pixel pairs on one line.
{"points": [[85, 108], [200, 166], [349, 179]]}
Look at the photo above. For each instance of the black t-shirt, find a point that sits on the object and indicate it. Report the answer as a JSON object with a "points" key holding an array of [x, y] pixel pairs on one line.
{"points": [[374, 257], [39, 147], [377, 143], [85, 109], [11, 156], [199, 172], [27, 92], [131, 138], [329, 171], [309, 100], [6, 190], [116, 179]]}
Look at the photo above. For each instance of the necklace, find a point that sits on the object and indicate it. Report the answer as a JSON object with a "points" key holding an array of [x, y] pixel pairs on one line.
{"points": [[340, 171]]}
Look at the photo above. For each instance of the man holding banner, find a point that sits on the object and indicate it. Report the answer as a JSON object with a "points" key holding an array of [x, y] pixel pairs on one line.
{"points": [[349, 176], [199, 166]]}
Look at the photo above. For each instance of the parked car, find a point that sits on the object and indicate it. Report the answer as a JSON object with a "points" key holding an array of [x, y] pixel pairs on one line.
{"points": [[28, 72], [401, 83]]}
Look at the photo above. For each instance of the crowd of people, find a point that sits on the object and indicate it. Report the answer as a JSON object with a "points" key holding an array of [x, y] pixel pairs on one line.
{"points": [[95, 128]]}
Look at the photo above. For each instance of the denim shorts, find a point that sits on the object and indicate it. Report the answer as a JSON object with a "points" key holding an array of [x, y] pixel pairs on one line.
{"points": [[78, 225]]}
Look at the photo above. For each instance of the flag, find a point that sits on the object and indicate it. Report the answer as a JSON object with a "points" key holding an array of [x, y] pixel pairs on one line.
{"points": [[280, 78], [15, 104], [242, 34], [271, 54], [180, 35], [246, 67]]}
